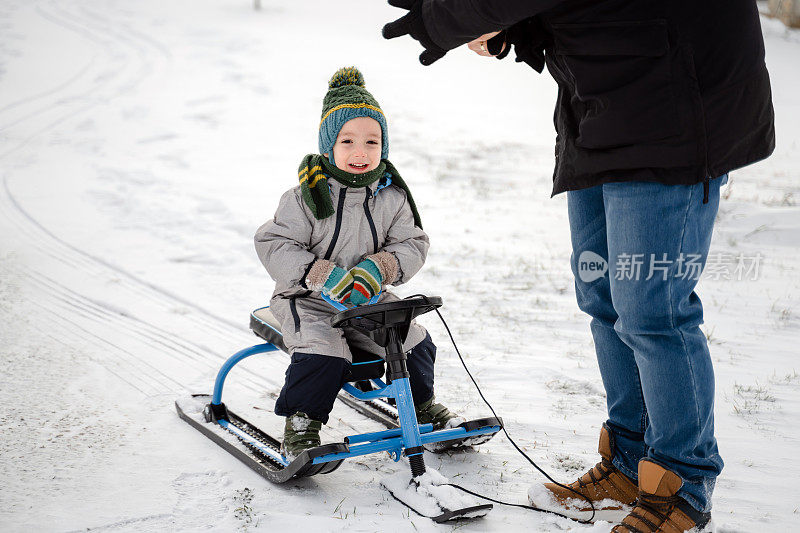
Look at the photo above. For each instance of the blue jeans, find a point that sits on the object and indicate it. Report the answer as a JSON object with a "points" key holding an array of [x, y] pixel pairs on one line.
{"points": [[637, 252]]}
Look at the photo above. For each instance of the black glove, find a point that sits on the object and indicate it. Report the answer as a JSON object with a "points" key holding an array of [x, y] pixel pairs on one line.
{"points": [[530, 40], [497, 45], [411, 24]]}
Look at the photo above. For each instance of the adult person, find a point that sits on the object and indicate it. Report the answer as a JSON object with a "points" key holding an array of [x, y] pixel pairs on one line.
{"points": [[657, 102]]}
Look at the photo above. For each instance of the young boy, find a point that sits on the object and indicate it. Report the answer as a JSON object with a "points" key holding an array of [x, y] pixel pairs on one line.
{"points": [[347, 230]]}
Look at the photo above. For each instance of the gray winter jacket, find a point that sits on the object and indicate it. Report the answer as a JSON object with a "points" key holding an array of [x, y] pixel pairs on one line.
{"points": [[366, 220]]}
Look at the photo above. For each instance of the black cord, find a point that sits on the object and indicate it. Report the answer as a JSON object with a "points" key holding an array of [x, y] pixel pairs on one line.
{"points": [[520, 505], [502, 426]]}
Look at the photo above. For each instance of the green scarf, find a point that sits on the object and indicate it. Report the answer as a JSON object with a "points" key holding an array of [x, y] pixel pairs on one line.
{"points": [[315, 171]]}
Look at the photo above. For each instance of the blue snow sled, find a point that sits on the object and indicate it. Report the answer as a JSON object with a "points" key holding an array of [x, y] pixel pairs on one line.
{"points": [[385, 323]]}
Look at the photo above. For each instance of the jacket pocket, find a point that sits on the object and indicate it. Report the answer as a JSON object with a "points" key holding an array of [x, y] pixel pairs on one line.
{"points": [[622, 81]]}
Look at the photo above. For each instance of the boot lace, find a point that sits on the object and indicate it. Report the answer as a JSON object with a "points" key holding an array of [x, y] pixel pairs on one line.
{"points": [[603, 468], [600, 484], [651, 510]]}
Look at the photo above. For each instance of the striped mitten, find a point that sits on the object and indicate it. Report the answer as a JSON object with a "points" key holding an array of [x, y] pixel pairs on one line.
{"points": [[367, 279], [338, 285]]}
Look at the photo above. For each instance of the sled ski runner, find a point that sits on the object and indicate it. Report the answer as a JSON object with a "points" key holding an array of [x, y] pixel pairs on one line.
{"points": [[426, 493], [258, 450], [430, 495], [378, 410]]}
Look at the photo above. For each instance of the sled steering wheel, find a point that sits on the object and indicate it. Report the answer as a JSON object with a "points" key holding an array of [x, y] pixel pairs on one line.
{"points": [[386, 315]]}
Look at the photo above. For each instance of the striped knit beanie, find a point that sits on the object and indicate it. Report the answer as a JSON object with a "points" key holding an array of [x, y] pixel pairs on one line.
{"points": [[345, 100]]}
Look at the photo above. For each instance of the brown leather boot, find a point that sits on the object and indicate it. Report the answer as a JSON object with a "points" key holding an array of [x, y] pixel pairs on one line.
{"points": [[658, 508], [603, 482]]}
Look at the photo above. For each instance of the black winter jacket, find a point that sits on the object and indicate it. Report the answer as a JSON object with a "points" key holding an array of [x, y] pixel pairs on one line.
{"points": [[670, 91]]}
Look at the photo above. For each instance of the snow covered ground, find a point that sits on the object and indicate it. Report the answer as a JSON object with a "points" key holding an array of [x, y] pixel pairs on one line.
{"points": [[141, 144]]}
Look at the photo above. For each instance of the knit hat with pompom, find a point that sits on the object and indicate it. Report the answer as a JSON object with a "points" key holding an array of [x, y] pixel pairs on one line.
{"points": [[345, 100]]}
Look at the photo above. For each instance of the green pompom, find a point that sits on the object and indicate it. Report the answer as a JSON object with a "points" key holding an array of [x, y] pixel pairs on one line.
{"points": [[346, 76]]}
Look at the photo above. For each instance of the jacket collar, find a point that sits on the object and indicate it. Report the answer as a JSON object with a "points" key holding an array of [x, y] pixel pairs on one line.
{"points": [[374, 187]]}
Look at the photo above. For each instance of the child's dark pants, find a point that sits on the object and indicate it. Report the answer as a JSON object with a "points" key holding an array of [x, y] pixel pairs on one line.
{"points": [[313, 381]]}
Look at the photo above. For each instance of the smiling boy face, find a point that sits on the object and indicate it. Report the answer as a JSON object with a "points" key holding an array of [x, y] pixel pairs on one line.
{"points": [[358, 147]]}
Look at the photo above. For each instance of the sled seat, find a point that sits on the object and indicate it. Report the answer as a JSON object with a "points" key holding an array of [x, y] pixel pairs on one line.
{"points": [[266, 326], [365, 365]]}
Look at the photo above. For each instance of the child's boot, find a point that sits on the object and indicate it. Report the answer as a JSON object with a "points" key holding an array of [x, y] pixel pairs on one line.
{"points": [[437, 414], [300, 433]]}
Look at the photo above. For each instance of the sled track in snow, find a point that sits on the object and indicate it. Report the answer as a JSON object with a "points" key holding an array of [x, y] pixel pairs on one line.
{"points": [[48, 105], [122, 59]]}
